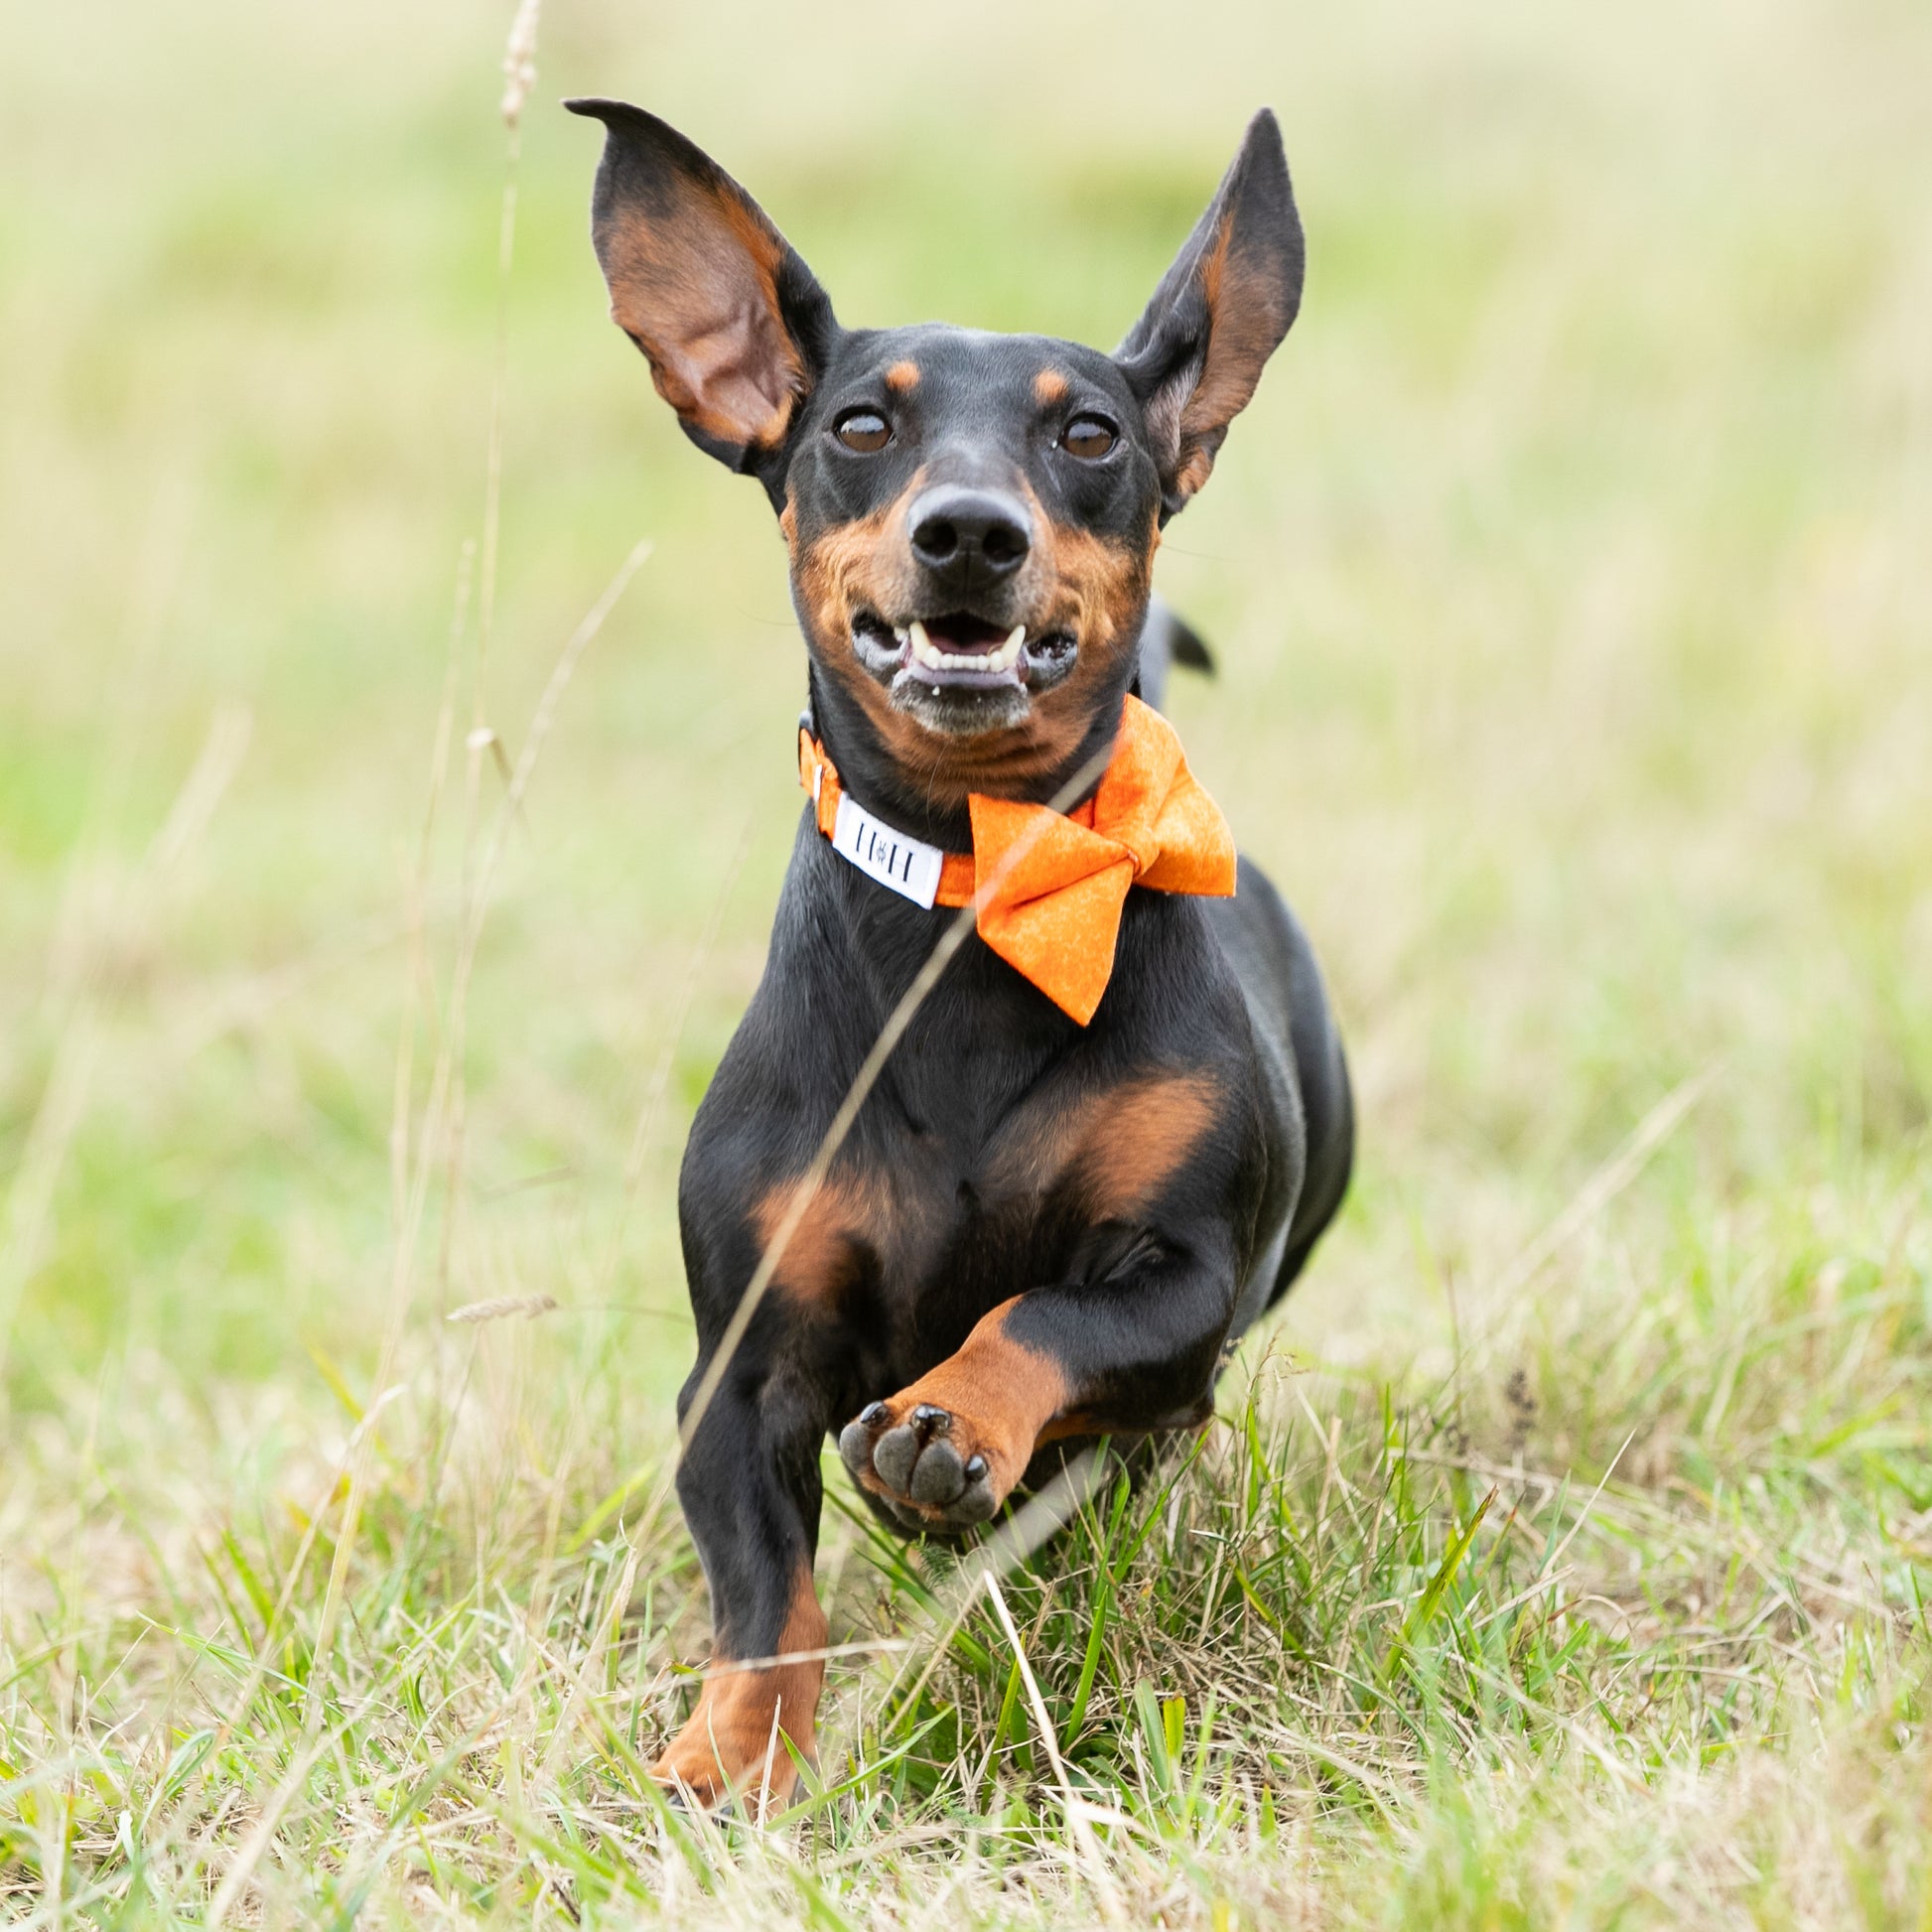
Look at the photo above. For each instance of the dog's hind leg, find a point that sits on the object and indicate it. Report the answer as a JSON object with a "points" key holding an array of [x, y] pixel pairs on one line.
{"points": [[1295, 1028]]}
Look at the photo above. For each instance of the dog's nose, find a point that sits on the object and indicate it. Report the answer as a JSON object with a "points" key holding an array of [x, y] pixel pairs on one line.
{"points": [[967, 530]]}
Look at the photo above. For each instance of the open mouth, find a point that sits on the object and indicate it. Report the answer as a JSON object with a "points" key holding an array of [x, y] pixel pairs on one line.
{"points": [[960, 652]]}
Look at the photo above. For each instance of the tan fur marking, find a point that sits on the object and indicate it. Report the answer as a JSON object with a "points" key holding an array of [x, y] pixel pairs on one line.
{"points": [[1118, 1147], [845, 1213], [851, 566], [1049, 387], [1139, 1138], [1194, 470], [867, 565], [999, 1394], [903, 376], [694, 287], [1093, 586], [723, 1745], [1075, 581], [1246, 319], [1115, 1150]]}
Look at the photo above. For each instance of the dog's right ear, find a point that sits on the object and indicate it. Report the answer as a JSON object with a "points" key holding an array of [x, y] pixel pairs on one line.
{"points": [[735, 326]]}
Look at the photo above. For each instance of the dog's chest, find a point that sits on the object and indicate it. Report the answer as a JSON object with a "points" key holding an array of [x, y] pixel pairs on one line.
{"points": [[961, 1204]]}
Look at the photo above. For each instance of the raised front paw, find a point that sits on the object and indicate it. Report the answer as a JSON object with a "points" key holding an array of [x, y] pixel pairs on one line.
{"points": [[929, 1463]]}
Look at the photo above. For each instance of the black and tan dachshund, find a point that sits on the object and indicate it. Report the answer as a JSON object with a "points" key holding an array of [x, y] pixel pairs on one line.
{"points": [[1110, 1136]]}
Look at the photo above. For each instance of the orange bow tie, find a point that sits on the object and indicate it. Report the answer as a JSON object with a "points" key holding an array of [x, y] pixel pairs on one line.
{"points": [[1057, 883]]}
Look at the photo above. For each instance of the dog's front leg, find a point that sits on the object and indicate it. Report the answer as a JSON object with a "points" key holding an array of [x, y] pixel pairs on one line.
{"points": [[751, 1490], [1131, 1352]]}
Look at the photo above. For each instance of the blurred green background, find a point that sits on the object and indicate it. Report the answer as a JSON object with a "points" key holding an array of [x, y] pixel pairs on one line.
{"points": [[1567, 579]]}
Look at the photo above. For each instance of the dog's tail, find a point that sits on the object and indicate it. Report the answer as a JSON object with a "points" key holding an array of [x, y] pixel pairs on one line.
{"points": [[1167, 640]]}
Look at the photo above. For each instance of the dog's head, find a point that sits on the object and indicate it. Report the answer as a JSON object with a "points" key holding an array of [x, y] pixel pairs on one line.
{"points": [[972, 518]]}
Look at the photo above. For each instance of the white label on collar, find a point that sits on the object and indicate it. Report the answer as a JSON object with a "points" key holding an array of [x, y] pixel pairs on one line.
{"points": [[908, 867]]}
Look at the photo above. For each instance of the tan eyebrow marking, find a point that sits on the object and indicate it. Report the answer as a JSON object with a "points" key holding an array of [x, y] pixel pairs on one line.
{"points": [[903, 376], [1049, 387]]}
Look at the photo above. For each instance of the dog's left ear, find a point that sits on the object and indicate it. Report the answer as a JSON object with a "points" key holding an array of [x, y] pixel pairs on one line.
{"points": [[735, 326], [1194, 357]]}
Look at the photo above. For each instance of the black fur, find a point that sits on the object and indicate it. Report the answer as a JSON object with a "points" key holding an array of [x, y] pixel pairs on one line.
{"points": [[978, 1170]]}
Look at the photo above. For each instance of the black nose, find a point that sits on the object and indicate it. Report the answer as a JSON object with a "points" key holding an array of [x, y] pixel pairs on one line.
{"points": [[965, 531]]}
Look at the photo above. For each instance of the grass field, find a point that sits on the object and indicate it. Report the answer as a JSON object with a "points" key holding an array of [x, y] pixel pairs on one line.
{"points": [[1561, 1554]]}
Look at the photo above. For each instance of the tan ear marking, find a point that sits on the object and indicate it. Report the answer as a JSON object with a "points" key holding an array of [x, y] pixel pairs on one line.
{"points": [[1222, 308], [694, 287], [694, 270], [1244, 332]]}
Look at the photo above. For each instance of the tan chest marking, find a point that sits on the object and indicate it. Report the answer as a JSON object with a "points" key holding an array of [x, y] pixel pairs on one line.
{"points": [[1117, 1147]]}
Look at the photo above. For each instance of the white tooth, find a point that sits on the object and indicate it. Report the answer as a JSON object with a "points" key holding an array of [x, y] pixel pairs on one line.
{"points": [[1008, 655], [927, 652], [899, 632]]}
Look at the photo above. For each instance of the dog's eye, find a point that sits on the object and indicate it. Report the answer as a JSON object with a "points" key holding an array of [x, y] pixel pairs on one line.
{"points": [[1088, 437], [864, 429]]}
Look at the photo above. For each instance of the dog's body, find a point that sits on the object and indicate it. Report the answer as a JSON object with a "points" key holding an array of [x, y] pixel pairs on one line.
{"points": [[1045, 1224]]}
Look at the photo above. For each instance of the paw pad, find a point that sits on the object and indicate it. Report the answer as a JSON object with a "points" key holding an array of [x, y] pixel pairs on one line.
{"points": [[919, 1465]]}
